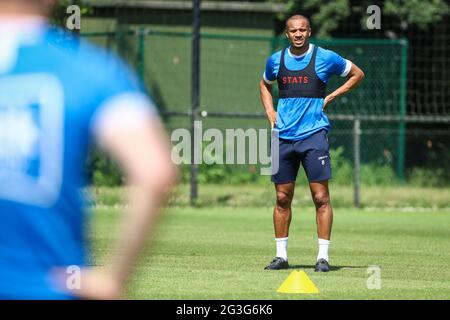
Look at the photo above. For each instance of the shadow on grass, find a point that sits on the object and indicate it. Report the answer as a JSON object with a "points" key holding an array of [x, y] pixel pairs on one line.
{"points": [[332, 268]]}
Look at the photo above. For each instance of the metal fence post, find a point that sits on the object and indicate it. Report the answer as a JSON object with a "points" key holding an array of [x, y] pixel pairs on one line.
{"points": [[141, 53], [195, 96], [402, 123], [357, 162]]}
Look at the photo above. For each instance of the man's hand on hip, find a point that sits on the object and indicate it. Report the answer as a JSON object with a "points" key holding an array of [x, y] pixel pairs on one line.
{"points": [[327, 100], [272, 116]]}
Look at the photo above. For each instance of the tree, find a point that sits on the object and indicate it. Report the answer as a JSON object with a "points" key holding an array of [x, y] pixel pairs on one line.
{"points": [[421, 13], [327, 15]]}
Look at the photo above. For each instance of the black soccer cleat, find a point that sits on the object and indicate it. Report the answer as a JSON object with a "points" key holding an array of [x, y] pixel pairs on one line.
{"points": [[277, 264], [322, 266]]}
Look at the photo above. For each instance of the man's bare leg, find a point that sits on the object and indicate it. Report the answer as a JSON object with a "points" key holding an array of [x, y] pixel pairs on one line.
{"points": [[324, 220], [324, 211], [282, 213], [282, 216]]}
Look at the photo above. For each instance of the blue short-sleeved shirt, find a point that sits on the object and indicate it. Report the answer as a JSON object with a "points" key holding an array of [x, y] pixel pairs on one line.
{"points": [[51, 89], [299, 118]]}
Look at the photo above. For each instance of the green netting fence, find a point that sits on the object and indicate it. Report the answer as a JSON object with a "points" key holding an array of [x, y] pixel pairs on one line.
{"points": [[232, 65]]}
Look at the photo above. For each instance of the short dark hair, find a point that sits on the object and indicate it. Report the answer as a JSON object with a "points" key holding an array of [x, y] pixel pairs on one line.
{"points": [[297, 16]]}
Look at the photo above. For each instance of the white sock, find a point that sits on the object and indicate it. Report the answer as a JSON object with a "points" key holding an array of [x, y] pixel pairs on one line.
{"points": [[282, 244], [323, 249]]}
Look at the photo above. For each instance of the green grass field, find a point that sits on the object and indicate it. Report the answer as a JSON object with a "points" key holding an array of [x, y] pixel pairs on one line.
{"points": [[220, 253]]}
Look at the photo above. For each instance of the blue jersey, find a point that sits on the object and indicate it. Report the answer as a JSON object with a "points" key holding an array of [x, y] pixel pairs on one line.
{"points": [[51, 91], [299, 118]]}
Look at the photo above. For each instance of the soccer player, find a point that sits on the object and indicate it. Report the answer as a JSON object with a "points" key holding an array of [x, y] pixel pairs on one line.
{"points": [[55, 99], [302, 71]]}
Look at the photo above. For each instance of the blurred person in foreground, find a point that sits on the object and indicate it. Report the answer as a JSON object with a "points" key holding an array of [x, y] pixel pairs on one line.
{"points": [[55, 100]]}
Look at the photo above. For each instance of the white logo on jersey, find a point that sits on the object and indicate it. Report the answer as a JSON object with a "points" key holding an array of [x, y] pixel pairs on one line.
{"points": [[18, 138], [31, 138]]}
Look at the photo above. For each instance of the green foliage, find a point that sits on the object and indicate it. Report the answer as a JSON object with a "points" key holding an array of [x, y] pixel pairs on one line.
{"points": [[325, 15], [421, 13], [342, 169], [428, 177], [224, 174], [371, 174], [329, 16], [105, 172], [102, 170], [377, 175]]}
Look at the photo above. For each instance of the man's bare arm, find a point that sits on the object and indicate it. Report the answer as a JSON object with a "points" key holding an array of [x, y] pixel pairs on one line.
{"points": [[354, 77], [267, 101], [144, 155]]}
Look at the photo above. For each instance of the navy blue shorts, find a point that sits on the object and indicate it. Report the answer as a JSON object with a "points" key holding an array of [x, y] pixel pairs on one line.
{"points": [[313, 153]]}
